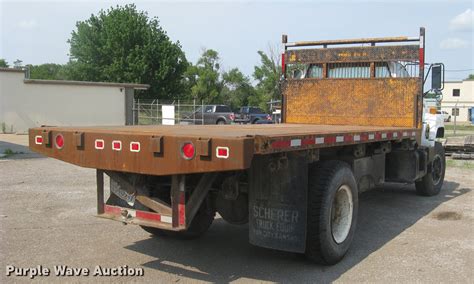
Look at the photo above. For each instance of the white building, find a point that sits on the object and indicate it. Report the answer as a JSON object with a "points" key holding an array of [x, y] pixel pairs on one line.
{"points": [[458, 99], [26, 103]]}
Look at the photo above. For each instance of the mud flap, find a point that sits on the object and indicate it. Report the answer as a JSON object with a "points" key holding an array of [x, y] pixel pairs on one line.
{"points": [[278, 202]]}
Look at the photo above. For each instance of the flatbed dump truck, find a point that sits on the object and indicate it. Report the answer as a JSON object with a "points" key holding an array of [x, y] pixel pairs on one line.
{"points": [[352, 121]]}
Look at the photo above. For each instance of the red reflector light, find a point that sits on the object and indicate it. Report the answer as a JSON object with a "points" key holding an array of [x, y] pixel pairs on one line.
{"points": [[188, 150], [134, 146], [39, 140], [59, 141], [99, 144], [117, 145], [222, 152]]}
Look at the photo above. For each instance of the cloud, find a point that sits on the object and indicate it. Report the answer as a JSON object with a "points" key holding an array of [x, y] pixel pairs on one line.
{"points": [[27, 24], [463, 21], [453, 43]]}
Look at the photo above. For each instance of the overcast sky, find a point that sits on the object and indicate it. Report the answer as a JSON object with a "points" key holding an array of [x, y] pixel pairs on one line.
{"points": [[37, 31]]}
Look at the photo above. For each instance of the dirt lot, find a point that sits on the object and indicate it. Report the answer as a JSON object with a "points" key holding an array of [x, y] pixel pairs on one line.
{"points": [[47, 218]]}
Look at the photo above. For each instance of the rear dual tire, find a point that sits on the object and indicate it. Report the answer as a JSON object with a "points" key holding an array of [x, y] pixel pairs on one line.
{"points": [[332, 211]]}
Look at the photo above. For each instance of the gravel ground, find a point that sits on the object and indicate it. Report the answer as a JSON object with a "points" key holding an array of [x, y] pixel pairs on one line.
{"points": [[47, 218]]}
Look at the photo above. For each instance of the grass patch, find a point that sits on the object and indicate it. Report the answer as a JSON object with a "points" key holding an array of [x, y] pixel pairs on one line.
{"points": [[459, 127], [458, 134], [461, 130], [464, 164]]}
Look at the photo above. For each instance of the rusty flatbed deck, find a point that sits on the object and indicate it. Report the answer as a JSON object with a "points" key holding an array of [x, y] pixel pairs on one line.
{"points": [[157, 149], [231, 131]]}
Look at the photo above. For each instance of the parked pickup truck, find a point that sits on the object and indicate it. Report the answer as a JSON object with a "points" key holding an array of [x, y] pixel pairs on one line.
{"points": [[350, 126], [211, 114], [252, 115]]}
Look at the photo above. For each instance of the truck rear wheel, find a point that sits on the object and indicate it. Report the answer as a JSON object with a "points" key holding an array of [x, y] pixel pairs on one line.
{"points": [[432, 182], [332, 211]]}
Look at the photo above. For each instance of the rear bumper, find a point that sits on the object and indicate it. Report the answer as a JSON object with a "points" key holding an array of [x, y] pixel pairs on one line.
{"points": [[138, 217], [175, 214]]}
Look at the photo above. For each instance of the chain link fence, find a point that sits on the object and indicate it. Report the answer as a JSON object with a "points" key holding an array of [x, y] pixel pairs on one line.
{"points": [[162, 112]]}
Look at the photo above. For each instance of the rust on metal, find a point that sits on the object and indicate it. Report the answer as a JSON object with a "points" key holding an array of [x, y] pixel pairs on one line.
{"points": [[378, 102], [243, 141], [79, 139], [46, 134], [178, 197], [140, 222], [100, 191], [204, 147], [347, 41], [353, 54], [156, 144], [165, 157]]}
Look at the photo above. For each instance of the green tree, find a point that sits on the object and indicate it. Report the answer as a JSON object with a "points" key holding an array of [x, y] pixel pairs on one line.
{"points": [[18, 64], [203, 79], [125, 45], [4, 63], [237, 89], [48, 71], [267, 76], [470, 77]]}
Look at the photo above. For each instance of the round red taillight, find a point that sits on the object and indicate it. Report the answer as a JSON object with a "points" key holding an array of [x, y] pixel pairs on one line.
{"points": [[59, 141], [188, 151]]}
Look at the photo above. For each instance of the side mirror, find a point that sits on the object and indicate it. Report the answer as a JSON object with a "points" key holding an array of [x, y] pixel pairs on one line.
{"points": [[437, 77]]}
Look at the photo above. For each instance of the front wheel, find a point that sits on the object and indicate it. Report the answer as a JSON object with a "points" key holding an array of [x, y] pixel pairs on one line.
{"points": [[432, 182], [332, 211]]}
